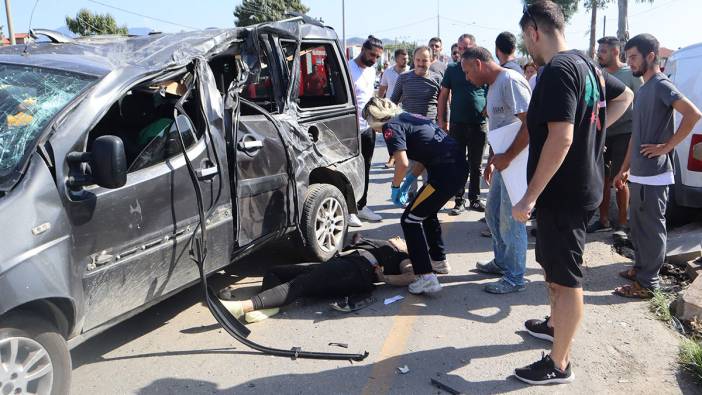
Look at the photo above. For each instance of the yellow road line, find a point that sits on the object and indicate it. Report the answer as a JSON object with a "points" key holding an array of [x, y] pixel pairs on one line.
{"points": [[395, 343]]}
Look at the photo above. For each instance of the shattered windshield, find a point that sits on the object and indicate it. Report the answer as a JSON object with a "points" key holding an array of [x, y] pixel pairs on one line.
{"points": [[29, 98]]}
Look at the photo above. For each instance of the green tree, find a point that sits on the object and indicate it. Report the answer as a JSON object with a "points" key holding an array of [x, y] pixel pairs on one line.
{"points": [[570, 7], [251, 12], [87, 23]]}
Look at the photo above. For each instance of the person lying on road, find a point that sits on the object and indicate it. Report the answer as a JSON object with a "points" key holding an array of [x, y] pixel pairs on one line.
{"points": [[353, 272]]}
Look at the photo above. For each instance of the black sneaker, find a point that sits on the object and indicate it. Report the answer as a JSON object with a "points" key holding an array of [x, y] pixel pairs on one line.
{"points": [[458, 208], [477, 205], [544, 372], [540, 329]]}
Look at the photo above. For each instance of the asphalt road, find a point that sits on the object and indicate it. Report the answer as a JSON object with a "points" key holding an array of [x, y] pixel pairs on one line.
{"points": [[467, 338]]}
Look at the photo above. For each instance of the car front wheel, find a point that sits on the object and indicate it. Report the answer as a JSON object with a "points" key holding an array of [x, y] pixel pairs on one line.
{"points": [[34, 357], [324, 222]]}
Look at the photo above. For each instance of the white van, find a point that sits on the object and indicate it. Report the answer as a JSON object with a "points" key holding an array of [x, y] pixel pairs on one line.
{"points": [[684, 68]]}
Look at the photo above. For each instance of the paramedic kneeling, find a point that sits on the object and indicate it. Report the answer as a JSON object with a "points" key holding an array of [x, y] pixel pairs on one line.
{"points": [[410, 136]]}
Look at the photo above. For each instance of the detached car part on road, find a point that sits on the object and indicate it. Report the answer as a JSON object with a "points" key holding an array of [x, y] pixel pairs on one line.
{"points": [[97, 200]]}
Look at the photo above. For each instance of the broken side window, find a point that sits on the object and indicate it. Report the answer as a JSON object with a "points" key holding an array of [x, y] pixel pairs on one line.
{"points": [[321, 79], [29, 98], [259, 86], [143, 119]]}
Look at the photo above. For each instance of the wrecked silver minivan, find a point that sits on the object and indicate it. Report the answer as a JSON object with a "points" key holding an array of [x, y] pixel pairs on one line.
{"points": [[100, 141]]}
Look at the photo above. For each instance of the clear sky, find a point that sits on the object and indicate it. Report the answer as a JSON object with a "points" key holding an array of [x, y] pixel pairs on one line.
{"points": [[676, 23]]}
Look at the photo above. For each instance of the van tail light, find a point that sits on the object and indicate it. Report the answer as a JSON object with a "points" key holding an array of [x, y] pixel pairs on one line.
{"points": [[694, 158]]}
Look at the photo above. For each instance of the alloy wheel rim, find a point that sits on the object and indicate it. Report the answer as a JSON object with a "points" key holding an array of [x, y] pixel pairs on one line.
{"points": [[25, 367], [329, 224]]}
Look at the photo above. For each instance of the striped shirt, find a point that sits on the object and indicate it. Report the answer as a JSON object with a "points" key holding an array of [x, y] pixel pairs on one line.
{"points": [[418, 95]]}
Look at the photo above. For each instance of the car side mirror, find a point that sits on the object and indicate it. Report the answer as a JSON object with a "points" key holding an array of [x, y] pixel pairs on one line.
{"points": [[108, 162]]}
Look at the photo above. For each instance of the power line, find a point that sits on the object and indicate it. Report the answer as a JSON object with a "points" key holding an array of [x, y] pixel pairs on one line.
{"points": [[472, 24], [652, 8], [142, 15], [406, 25]]}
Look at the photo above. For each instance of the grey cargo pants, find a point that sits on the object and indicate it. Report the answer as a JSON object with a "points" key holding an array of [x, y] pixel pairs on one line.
{"points": [[648, 232]]}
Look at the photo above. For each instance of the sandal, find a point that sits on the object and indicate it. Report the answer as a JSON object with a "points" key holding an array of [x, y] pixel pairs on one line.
{"points": [[634, 291], [629, 274]]}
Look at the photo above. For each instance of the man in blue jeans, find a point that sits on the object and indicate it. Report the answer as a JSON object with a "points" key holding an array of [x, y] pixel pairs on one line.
{"points": [[507, 102]]}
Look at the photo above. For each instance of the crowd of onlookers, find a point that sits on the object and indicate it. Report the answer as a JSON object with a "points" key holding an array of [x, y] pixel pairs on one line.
{"points": [[587, 125]]}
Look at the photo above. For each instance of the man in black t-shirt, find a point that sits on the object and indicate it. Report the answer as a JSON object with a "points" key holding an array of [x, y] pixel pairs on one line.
{"points": [[569, 110]]}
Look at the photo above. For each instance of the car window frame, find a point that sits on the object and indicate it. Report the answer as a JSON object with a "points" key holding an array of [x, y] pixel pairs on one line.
{"points": [[341, 60]]}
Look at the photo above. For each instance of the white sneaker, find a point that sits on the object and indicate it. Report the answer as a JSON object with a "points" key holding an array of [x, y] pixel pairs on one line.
{"points": [[260, 315], [234, 307], [441, 267], [369, 215], [426, 283], [354, 221]]}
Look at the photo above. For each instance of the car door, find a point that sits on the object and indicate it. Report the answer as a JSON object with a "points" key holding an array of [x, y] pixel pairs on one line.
{"points": [[324, 99], [134, 239], [261, 156]]}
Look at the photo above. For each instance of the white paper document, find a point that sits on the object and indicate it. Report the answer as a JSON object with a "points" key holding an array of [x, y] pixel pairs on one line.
{"points": [[514, 176]]}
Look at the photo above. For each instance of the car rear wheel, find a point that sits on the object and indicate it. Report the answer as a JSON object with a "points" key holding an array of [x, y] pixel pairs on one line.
{"points": [[34, 357], [324, 222]]}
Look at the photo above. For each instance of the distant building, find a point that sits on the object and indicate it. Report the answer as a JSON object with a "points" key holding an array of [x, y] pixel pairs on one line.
{"points": [[20, 38]]}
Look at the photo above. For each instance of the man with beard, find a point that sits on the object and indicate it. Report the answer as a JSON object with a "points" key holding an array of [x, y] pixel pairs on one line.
{"points": [[570, 108], [468, 125], [617, 139], [648, 163], [438, 60], [363, 76], [387, 83], [455, 53]]}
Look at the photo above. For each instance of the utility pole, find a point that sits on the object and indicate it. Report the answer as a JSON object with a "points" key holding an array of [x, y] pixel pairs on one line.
{"points": [[10, 28], [343, 26], [604, 26], [438, 20]]}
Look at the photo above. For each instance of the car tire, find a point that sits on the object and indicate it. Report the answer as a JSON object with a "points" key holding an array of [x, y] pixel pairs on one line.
{"points": [[676, 215], [324, 222], [38, 342]]}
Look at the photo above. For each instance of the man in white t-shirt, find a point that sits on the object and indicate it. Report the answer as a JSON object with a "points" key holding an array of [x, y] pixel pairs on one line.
{"points": [[362, 70], [387, 83]]}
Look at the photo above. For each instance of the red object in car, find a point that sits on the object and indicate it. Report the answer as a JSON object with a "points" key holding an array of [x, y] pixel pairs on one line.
{"points": [[694, 162]]}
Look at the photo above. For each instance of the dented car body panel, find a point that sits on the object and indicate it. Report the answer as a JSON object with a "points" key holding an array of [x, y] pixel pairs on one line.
{"points": [[98, 255]]}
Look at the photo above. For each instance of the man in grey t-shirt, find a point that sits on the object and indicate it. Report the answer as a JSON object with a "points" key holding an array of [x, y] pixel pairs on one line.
{"points": [[417, 90], [647, 164], [617, 139], [507, 102]]}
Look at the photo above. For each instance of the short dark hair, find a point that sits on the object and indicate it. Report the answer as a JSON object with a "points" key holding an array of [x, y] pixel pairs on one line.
{"points": [[545, 14], [400, 51], [372, 42], [435, 40], [645, 43], [609, 40], [454, 45], [479, 53], [506, 42], [468, 36]]}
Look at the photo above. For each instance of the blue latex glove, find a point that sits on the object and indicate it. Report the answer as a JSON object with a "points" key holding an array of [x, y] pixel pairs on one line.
{"points": [[398, 198], [407, 182]]}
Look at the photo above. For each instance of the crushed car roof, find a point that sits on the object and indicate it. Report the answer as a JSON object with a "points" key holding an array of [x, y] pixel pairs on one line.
{"points": [[98, 55]]}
